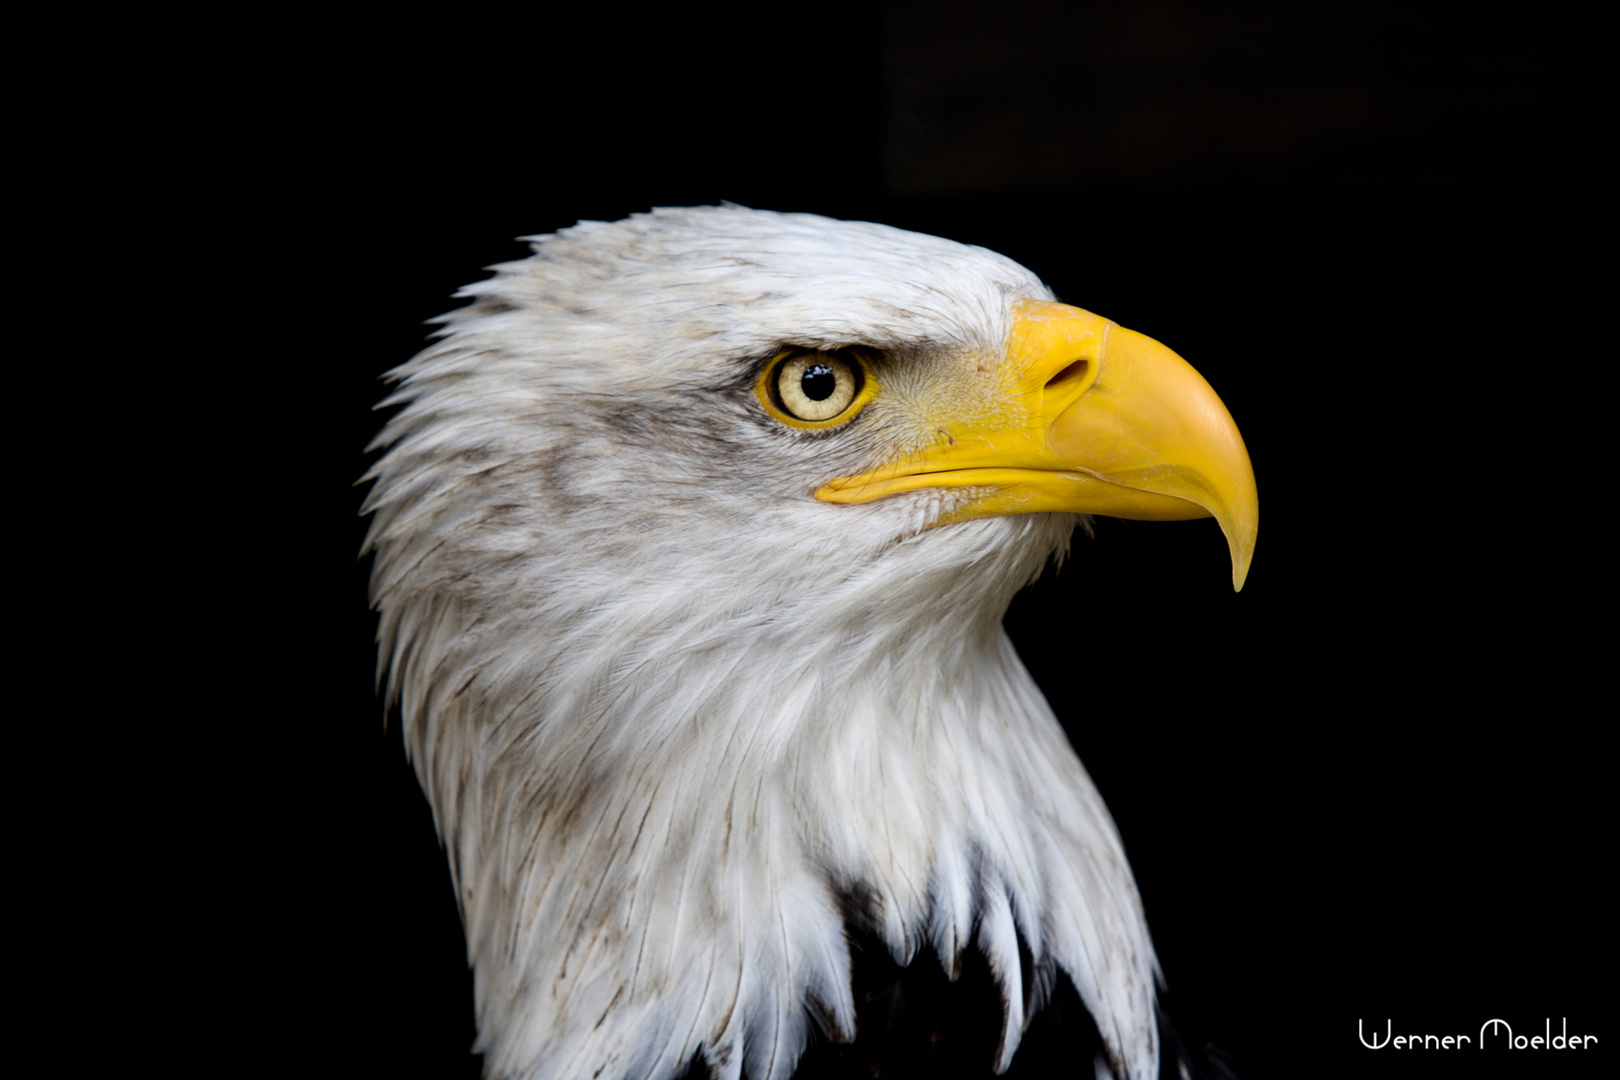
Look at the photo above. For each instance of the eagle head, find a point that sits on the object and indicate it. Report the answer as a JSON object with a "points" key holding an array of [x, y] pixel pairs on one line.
{"points": [[693, 536]]}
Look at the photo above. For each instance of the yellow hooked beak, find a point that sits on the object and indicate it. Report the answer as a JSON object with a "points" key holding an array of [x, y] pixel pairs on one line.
{"points": [[1087, 418]]}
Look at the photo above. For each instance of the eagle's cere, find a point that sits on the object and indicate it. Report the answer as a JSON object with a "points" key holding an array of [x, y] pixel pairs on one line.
{"points": [[692, 542]]}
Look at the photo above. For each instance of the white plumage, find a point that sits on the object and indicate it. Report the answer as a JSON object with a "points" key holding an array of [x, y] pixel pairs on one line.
{"points": [[672, 710]]}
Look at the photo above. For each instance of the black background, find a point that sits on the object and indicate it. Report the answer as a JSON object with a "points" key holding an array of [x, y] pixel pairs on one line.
{"points": [[1365, 788]]}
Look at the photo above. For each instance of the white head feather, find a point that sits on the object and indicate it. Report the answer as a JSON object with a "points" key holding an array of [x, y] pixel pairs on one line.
{"points": [[671, 710]]}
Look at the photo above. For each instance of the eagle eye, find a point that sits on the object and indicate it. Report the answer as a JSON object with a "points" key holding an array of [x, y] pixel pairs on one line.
{"points": [[815, 388]]}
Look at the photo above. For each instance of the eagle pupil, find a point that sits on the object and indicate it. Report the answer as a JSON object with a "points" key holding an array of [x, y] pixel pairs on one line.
{"points": [[818, 382]]}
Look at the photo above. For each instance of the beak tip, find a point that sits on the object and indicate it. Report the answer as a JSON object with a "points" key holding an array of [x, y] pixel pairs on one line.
{"points": [[1242, 530], [1242, 556]]}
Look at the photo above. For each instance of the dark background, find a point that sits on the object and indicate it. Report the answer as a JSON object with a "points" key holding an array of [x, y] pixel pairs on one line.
{"points": [[1365, 788]]}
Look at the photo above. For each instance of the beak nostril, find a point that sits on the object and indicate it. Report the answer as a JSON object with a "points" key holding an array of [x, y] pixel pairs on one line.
{"points": [[1076, 370]]}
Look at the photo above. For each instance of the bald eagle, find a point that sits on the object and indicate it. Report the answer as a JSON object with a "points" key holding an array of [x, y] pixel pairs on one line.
{"points": [[692, 537]]}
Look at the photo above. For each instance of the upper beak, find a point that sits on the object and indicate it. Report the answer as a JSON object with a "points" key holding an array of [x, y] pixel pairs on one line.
{"points": [[1094, 419]]}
